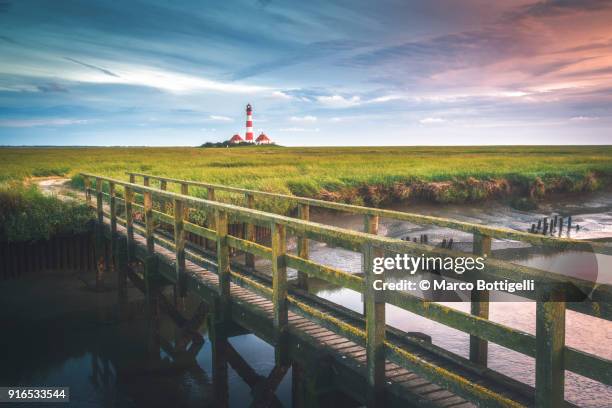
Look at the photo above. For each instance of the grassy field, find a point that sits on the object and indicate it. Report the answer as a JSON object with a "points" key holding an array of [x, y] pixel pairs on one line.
{"points": [[368, 175]]}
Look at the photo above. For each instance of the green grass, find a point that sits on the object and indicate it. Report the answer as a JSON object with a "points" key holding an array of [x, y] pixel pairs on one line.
{"points": [[27, 215], [371, 175]]}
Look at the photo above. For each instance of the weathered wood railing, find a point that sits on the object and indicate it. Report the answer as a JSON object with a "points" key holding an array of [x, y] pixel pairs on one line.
{"points": [[548, 347]]}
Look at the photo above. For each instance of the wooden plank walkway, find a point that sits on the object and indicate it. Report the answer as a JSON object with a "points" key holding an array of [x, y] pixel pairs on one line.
{"points": [[407, 384]]}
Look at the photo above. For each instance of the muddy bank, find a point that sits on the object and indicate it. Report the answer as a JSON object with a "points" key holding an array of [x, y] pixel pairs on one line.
{"points": [[522, 190]]}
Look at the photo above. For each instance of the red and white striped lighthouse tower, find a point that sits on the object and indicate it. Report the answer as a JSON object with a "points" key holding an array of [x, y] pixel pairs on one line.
{"points": [[249, 124]]}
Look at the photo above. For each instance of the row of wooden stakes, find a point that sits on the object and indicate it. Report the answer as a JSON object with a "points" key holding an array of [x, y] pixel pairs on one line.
{"points": [[424, 239], [545, 226]]}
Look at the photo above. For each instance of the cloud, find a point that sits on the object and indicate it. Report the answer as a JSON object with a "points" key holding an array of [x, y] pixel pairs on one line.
{"points": [[51, 87], [220, 118], [339, 101], [135, 75], [102, 70], [431, 120], [307, 118], [298, 129], [583, 118], [551, 8], [281, 95], [25, 123]]}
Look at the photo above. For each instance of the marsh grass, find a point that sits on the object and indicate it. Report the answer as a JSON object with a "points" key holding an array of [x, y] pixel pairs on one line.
{"points": [[28, 215], [361, 175]]}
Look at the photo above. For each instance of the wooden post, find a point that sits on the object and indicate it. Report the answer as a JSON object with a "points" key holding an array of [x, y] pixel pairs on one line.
{"points": [[148, 213], [99, 202], [550, 346], [375, 330], [480, 303], [279, 278], [132, 178], [100, 252], [145, 181], [223, 261], [179, 242], [163, 202], [303, 245], [129, 222], [87, 182], [111, 257], [249, 231], [210, 195], [370, 226], [185, 191], [113, 209]]}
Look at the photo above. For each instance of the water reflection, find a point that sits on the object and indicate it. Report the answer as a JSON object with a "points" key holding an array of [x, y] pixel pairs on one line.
{"points": [[141, 355]]}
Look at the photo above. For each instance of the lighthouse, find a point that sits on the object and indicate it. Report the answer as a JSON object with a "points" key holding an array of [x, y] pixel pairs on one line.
{"points": [[249, 124]]}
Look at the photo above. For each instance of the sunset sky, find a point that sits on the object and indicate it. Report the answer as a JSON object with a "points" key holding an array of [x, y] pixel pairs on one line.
{"points": [[316, 72]]}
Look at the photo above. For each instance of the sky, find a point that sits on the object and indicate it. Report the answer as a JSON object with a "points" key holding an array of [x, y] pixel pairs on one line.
{"points": [[355, 72]]}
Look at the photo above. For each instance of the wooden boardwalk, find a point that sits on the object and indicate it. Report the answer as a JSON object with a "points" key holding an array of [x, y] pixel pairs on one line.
{"points": [[374, 363], [406, 385]]}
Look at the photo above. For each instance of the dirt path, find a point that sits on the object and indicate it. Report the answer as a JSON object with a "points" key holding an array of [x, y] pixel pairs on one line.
{"points": [[56, 186]]}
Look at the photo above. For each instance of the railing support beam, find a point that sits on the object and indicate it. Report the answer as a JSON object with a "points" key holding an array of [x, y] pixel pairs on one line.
{"points": [[303, 246], [279, 278], [223, 261], [99, 247], [210, 195], [375, 330], [550, 346], [129, 223], [149, 222], [480, 304], [249, 231], [179, 244]]}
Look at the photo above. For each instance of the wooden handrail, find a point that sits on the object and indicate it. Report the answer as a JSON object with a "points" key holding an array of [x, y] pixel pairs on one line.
{"points": [[493, 232], [477, 324]]}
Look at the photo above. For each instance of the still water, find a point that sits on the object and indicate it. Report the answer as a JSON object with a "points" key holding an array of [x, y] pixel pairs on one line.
{"points": [[114, 362], [123, 357], [594, 215]]}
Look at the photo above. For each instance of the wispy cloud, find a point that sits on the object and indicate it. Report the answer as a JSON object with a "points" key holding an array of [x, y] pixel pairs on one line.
{"points": [[298, 129], [431, 121], [306, 118], [94, 67], [339, 101], [220, 118], [25, 123]]}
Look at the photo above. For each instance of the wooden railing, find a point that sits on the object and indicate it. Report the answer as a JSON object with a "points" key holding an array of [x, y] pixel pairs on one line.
{"points": [[548, 347]]}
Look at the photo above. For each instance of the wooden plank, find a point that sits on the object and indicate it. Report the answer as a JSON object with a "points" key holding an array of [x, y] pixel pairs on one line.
{"points": [[326, 273]]}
